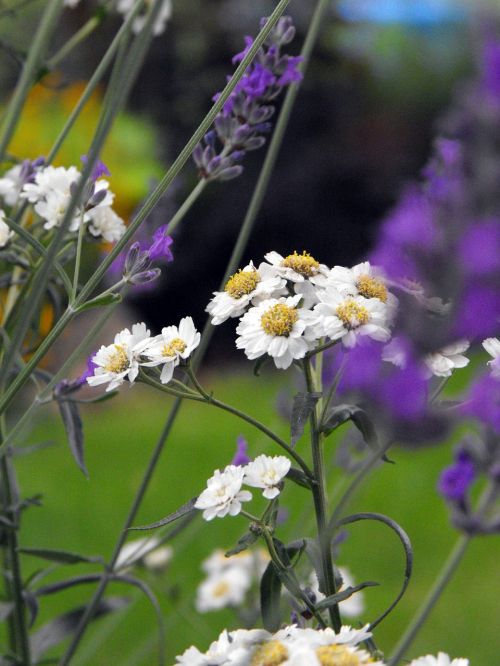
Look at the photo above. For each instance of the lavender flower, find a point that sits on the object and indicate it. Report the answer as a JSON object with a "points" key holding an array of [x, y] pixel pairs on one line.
{"points": [[160, 246], [240, 457], [99, 170], [483, 402], [243, 121], [456, 479]]}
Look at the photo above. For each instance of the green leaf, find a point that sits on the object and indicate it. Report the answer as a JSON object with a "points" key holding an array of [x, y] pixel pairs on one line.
{"points": [[298, 477], [60, 556], [270, 598], [243, 543], [99, 302], [335, 599], [303, 405], [182, 511], [74, 430]]}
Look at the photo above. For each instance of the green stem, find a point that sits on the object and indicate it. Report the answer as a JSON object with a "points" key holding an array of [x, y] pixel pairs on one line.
{"points": [[442, 580], [76, 274], [30, 72], [320, 505], [79, 36], [179, 216]]}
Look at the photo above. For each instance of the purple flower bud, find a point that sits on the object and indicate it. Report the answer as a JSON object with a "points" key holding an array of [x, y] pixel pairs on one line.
{"points": [[145, 276], [89, 372], [96, 198], [136, 259], [240, 457], [456, 479], [160, 247], [100, 169]]}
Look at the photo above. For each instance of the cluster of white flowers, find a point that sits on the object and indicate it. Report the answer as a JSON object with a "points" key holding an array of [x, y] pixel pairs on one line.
{"points": [[130, 350], [229, 578], [289, 646], [124, 7], [288, 304], [223, 494], [293, 646]]}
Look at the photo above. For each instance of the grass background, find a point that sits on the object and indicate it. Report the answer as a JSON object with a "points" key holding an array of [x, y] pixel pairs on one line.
{"points": [[86, 516]]}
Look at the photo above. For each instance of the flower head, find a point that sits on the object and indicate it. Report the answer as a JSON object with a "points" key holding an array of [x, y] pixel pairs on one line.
{"points": [[492, 346], [456, 479], [442, 659], [223, 494], [240, 457], [160, 246], [442, 363], [173, 344], [267, 472]]}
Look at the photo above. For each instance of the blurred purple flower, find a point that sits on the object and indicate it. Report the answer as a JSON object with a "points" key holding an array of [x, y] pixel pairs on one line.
{"points": [[89, 372], [240, 457], [479, 248], [483, 402], [456, 479], [490, 79], [160, 246], [99, 170]]}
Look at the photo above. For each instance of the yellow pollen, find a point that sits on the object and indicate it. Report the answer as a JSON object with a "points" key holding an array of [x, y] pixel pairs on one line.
{"points": [[337, 655], [242, 283], [301, 263], [272, 653], [352, 314], [279, 319], [174, 347], [118, 361], [220, 589], [371, 288]]}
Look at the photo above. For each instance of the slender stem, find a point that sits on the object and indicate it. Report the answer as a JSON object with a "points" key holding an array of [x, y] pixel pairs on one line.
{"points": [[320, 505], [12, 558], [80, 35], [179, 216], [30, 72], [442, 580], [76, 274]]}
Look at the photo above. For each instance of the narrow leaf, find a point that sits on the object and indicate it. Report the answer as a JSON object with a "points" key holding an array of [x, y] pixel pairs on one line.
{"points": [[66, 584], [270, 598], [74, 431], [99, 302], [335, 599], [243, 543], [303, 405], [182, 511], [61, 556], [298, 477], [55, 631]]}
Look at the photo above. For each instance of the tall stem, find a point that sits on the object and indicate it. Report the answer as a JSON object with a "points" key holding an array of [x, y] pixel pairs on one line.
{"points": [[189, 201], [320, 504]]}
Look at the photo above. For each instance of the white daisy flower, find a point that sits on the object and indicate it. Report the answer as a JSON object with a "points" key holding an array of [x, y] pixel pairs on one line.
{"points": [[223, 494], [346, 636], [11, 185], [6, 232], [126, 6], [53, 209], [121, 359], [252, 561], [220, 590], [298, 267], [230, 648], [173, 343], [106, 223], [442, 659], [50, 179], [267, 472], [354, 606], [362, 279], [250, 285], [158, 559], [347, 317], [492, 346], [442, 363], [279, 328]]}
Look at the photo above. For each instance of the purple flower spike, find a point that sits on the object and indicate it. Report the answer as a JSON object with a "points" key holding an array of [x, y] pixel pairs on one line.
{"points": [[483, 402], [160, 247], [456, 479], [291, 73], [240, 457], [100, 169]]}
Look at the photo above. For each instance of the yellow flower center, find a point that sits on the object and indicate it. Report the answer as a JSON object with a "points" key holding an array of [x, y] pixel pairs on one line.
{"points": [[242, 283], [221, 589], [272, 653], [352, 314], [118, 361], [337, 655], [279, 319], [301, 263], [371, 288], [174, 347]]}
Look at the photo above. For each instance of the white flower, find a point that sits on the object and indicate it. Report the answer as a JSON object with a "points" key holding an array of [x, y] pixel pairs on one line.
{"points": [[267, 472], [252, 561], [133, 551], [351, 607], [492, 346], [442, 363], [362, 279], [11, 185], [278, 328], [232, 648], [6, 232], [165, 12], [170, 346], [441, 660], [223, 494], [298, 267], [158, 559], [50, 179], [106, 223], [250, 285], [121, 359], [220, 590], [347, 317]]}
